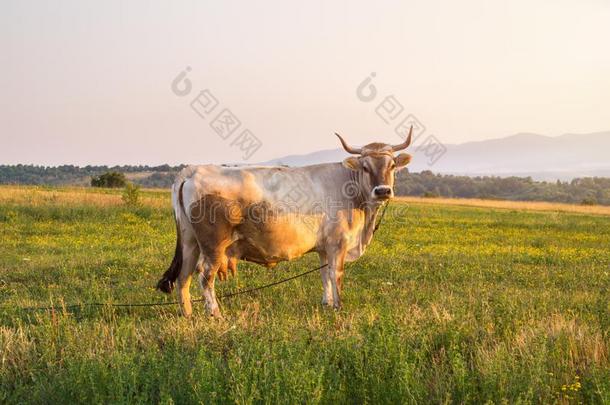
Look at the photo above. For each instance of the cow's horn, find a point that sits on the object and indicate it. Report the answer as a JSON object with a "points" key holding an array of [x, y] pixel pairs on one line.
{"points": [[349, 149], [405, 144]]}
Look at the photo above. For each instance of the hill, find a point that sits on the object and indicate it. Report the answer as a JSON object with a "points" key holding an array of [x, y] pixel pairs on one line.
{"points": [[541, 157]]}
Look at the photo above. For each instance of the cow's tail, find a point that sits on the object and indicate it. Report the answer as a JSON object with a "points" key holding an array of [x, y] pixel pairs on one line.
{"points": [[167, 282]]}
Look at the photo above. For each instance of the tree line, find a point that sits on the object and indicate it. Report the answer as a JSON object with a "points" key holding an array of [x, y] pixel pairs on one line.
{"points": [[160, 176], [588, 190]]}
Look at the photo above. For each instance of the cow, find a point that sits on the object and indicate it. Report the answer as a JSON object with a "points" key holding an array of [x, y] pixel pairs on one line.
{"points": [[266, 215]]}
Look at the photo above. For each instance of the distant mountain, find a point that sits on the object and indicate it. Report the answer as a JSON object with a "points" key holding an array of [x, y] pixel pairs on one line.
{"points": [[541, 157]]}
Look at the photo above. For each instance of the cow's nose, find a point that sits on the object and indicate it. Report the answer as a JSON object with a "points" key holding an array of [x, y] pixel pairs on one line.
{"points": [[382, 191]]}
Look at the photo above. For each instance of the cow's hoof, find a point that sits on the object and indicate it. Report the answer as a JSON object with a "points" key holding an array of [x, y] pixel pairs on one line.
{"points": [[215, 314], [326, 302]]}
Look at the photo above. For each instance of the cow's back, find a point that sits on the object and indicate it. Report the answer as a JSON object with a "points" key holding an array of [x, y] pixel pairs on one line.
{"points": [[269, 209]]}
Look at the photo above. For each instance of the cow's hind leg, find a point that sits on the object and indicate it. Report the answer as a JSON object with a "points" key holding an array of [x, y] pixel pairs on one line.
{"points": [[214, 234], [190, 255], [232, 264], [211, 263], [222, 272]]}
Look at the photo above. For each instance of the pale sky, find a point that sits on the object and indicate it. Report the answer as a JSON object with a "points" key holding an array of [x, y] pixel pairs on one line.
{"points": [[87, 82]]}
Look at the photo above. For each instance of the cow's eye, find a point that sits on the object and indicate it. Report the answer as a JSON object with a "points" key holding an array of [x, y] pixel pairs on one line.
{"points": [[366, 169], [393, 166]]}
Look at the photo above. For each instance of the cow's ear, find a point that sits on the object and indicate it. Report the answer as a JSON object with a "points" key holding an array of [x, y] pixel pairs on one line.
{"points": [[352, 163], [402, 160]]}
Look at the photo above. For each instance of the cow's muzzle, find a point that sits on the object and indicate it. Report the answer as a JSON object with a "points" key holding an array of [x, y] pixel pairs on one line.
{"points": [[383, 192]]}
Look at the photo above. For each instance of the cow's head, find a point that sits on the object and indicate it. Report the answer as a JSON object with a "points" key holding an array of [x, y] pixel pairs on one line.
{"points": [[375, 166]]}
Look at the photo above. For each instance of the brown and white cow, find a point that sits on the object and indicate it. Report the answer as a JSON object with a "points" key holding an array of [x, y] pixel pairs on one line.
{"points": [[270, 214]]}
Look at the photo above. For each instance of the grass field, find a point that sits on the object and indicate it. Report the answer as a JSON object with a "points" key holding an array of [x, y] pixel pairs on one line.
{"points": [[450, 304]]}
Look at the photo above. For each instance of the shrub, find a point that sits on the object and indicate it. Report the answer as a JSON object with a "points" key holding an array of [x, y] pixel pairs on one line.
{"points": [[131, 195], [109, 179]]}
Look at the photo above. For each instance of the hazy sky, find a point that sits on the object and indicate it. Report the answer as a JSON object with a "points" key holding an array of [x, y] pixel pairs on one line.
{"points": [[86, 82]]}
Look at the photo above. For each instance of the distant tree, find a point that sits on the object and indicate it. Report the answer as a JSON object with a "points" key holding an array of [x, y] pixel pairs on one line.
{"points": [[158, 180], [109, 179]]}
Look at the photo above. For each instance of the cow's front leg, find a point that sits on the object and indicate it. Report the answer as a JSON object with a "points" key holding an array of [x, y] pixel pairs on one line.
{"points": [[336, 260], [206, 281], [327, 295]]}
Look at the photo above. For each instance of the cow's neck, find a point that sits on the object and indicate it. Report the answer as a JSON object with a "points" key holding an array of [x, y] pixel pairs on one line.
{"points": [[370, 219], [370, 209]]}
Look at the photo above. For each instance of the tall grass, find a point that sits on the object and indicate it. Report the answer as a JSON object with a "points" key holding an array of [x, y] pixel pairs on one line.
{"points": [[450, 304]]}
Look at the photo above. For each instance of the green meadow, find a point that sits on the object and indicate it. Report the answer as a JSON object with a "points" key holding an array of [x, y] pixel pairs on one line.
{"points": [[450, 304]]}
